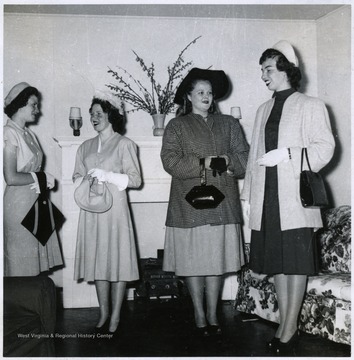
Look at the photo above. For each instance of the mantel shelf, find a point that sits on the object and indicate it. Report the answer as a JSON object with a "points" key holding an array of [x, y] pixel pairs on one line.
{"points": [[141, 141]]}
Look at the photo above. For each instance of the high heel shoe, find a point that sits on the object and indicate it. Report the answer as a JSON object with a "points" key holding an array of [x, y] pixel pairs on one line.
{"points": [[288, 348], [202, 331], [103, 328], [273, 343], [114, 333], [214, 330]]}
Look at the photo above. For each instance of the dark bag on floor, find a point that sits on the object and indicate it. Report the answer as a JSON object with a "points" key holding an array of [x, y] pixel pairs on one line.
{"points": [[43, 218], [312, 189], [204, 196]]}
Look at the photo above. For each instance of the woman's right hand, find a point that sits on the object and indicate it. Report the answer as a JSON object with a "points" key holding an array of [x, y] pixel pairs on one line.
{"points": [[50, 180], [217, 163]]}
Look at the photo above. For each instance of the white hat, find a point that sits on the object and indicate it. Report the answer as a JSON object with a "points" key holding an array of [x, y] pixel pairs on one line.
{"points": [[14, 92], [287, 50], [111, 98]]}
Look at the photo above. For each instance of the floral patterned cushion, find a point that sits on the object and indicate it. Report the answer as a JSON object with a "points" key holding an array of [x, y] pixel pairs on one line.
{"points": [[335, 240], [335, 286]]}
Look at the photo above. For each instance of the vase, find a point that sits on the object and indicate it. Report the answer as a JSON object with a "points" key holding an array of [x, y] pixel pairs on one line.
{"points": [[159, 124]]}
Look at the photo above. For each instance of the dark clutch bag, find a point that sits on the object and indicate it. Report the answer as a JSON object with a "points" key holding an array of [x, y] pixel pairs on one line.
{"points": [[312, 189], [43, 218], [204, 196]]}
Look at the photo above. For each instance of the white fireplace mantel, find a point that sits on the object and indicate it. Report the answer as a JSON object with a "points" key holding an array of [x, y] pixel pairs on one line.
{"points": [[156, 182]]}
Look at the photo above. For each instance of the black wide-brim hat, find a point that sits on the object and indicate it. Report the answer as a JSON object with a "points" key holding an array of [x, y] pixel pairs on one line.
{"points": [[217, 78]]}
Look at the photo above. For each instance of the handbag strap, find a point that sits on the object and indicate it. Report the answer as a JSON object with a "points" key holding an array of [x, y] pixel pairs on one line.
{"points": [[42, 181], [304, 150], [202, 171]]}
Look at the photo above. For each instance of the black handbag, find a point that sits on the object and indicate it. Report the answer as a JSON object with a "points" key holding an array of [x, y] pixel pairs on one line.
{"points": [[44, 217], [312, 189], [204, 196]]}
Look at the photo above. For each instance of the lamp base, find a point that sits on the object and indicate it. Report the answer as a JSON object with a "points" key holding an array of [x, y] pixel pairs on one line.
{"points": [[76, 132]]}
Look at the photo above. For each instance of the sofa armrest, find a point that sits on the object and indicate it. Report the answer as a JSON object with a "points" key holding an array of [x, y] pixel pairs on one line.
{"points": [[335, 240], [31, 296]]}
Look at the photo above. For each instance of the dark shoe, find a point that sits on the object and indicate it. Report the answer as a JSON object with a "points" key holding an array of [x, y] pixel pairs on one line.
{"points": [[214, 330], [273, 344], [113, 333], [102, 329], [202, 331], [288, 348]]}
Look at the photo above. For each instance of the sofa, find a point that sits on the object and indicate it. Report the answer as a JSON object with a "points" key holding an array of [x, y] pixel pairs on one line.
{"points": [[29, 316], [326, 310]]}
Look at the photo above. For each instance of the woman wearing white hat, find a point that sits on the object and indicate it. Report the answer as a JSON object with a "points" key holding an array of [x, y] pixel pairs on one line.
{"points": [[282, 240], [105, 248], [24, 255]]}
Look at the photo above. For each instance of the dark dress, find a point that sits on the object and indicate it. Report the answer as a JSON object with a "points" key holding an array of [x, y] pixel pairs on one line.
{"points": [[274, 251]]}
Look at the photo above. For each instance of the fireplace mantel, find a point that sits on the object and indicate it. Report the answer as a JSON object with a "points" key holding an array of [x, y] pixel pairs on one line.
{"points": [[156, 182]]}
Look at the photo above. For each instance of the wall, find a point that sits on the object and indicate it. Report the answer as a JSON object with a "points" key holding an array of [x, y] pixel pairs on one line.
{"points": [[67, 57], [334, 87]]}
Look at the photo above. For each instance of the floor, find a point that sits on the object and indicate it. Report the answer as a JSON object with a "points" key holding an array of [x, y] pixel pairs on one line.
{"points": [[164, 328]]}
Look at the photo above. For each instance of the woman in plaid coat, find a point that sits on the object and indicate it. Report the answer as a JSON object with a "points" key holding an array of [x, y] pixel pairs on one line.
{"points": [[202, 245]]}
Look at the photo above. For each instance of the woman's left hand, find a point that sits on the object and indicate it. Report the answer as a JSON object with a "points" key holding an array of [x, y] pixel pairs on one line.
{"points": [[274, 157]]}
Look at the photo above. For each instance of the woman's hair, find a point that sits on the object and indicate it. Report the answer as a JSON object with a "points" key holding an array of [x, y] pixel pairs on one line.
{"points": [[282, 63], [20, 100], [114, 116], [186, 108]]}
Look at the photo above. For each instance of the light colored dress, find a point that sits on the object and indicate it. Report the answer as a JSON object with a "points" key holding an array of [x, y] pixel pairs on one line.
{"points": [[105, 248], [23, 253]]}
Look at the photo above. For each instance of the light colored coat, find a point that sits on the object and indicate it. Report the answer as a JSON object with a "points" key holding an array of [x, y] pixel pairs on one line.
{"points": [[304, 123]]}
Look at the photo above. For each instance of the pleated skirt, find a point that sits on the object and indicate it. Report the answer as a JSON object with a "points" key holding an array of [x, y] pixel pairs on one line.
{"points": [[204, 250]]}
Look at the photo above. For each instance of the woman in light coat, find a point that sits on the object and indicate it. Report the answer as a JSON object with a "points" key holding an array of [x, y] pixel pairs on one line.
{"points": [[282, 229]]}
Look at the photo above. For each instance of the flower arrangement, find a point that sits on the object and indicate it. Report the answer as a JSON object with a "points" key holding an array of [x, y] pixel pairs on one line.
{"points": [[159, 99]]}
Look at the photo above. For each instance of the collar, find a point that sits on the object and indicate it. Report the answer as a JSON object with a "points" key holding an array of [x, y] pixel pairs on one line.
{"points": [[14, 125], [282, 95]]}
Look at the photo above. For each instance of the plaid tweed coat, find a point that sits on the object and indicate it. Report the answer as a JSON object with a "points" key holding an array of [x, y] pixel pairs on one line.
{"points": [[187, 139]]}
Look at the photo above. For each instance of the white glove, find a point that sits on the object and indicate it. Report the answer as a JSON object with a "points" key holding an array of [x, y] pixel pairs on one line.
{"points": [[35, 185], [274, 157], [50, 180], [120, 180], [99, 174], [246, 208]]}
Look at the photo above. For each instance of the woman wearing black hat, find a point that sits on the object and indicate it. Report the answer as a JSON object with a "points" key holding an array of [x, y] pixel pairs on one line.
{"points": [[282, 229], [202, 245], [23, 157]]}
